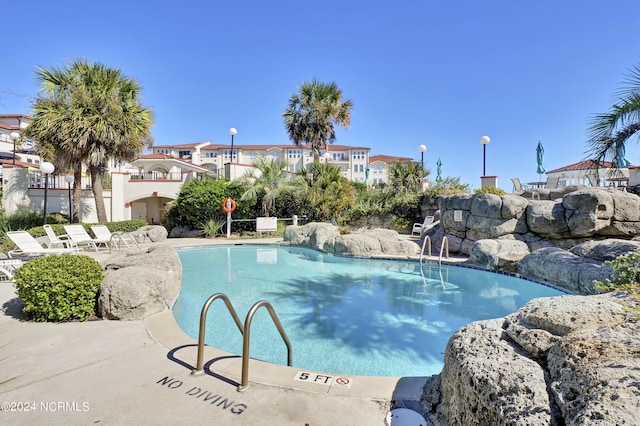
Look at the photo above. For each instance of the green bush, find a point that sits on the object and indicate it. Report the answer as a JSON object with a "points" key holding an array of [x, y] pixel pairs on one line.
{"points": [[626, 276], [201, 200], [59, 288], [490, 190]]}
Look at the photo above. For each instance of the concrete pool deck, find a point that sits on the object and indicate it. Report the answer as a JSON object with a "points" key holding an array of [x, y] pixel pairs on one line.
{"points": [[122, 372]]}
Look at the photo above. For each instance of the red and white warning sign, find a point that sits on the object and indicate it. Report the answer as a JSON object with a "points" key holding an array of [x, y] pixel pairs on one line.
{"points": [[323, 379]]}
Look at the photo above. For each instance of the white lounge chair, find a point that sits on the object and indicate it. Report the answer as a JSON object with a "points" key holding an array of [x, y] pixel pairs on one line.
{"points": [[29, 246], [517, 185], [419, 227], [103, 233], [81, 237], [58, 240], [8, 268]]}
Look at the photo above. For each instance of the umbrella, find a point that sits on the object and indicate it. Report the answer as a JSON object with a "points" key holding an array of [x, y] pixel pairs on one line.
{"points": [[439, 169], [366, 174], [540, 159], [622, 162]]}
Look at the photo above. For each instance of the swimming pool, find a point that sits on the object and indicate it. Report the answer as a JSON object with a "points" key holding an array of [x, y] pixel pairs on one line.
{"points": [[349, 316]]}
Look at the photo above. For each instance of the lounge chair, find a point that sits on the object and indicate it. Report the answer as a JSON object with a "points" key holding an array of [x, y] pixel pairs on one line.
{"points": [[103, 233], [419, 227], [552, 182], [30, 247], [517, 186], [58, 240], [8, 268], [81, 237]]}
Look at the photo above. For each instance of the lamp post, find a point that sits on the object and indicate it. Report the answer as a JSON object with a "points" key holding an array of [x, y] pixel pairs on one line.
{"points": [[69, 179], [14, 137], [232, 132], [46, 168], [422, 149], [484, 141]]}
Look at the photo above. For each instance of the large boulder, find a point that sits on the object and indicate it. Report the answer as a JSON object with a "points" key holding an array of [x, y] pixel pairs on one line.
{"points": [[564, 269], [362, 243], [151, 234], [501, 254], [139, 285], [563, 360]]}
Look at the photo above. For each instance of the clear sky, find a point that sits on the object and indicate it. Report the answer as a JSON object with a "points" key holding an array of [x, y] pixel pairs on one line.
{"points": [[439, 73]]}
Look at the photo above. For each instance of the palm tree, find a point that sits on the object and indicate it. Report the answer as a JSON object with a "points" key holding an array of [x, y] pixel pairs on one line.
{"points": [[267, 180], [312, 114], [406, 177], [328, 194], [610, 131], [87, 114]]}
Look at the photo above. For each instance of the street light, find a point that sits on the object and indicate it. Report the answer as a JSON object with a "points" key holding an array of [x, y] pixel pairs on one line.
{"points": [[69, 179], [14, 137], [422, 149], [232, 132], [46, 168], [484, 141]]}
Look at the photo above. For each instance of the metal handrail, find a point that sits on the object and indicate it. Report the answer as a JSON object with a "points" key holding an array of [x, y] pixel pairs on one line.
{"points": [[445, 243], [244, 384], [427, 238], [203, 322]]}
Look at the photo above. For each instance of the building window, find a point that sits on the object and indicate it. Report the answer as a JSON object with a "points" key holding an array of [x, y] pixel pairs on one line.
{"points": [[294, 153], [211, 154]]}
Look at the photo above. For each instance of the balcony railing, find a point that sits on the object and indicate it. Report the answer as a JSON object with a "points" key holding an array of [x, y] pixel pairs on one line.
{"points": [[176, 176]]}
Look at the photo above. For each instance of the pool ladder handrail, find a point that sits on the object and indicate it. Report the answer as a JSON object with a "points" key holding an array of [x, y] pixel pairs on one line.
{"points": [[244, 383], [203, 325], [445, 244], [246, 335]]}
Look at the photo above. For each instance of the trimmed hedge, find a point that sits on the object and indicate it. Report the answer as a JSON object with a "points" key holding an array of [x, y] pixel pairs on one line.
{"points": [[59, 288]]}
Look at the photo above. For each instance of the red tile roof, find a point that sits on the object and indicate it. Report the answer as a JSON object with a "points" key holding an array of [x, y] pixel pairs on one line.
{"points": [[389, 159], [582, 165]]}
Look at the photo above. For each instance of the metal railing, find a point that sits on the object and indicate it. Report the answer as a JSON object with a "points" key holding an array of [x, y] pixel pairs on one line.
{"points": [[244, 383], [246, 335], [445, 243], [203, 324], [424, 242]]}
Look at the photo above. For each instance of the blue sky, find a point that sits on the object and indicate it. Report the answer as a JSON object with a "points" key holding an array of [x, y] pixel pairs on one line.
{"points": [[427, 72]]}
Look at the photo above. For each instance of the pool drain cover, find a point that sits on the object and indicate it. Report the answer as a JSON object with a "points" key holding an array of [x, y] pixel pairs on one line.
{"points": [[405, 417]]}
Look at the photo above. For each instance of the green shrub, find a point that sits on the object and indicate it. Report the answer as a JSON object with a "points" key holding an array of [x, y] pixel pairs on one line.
{"points": [[626, 276], [59, 288], [490, 190], [211, 227]]}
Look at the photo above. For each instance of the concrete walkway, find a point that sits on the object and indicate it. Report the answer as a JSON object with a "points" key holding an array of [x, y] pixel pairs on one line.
{"points": [[138, 372]]}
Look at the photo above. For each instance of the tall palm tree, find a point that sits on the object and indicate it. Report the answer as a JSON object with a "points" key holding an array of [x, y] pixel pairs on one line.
{"points": [[87, 114], [312, 114], [267, 180], [610, 131], [406, 177]]}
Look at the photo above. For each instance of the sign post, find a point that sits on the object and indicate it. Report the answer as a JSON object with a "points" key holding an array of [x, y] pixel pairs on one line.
{"points": [[228, 206]]}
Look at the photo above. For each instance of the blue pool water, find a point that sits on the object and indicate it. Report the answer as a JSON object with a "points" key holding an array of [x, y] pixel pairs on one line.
{"points": [[346, 316]]}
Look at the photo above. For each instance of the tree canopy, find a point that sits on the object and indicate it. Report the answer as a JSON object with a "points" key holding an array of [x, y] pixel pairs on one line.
{"points": [[609, 131], [86, 114], [313, 113]]}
